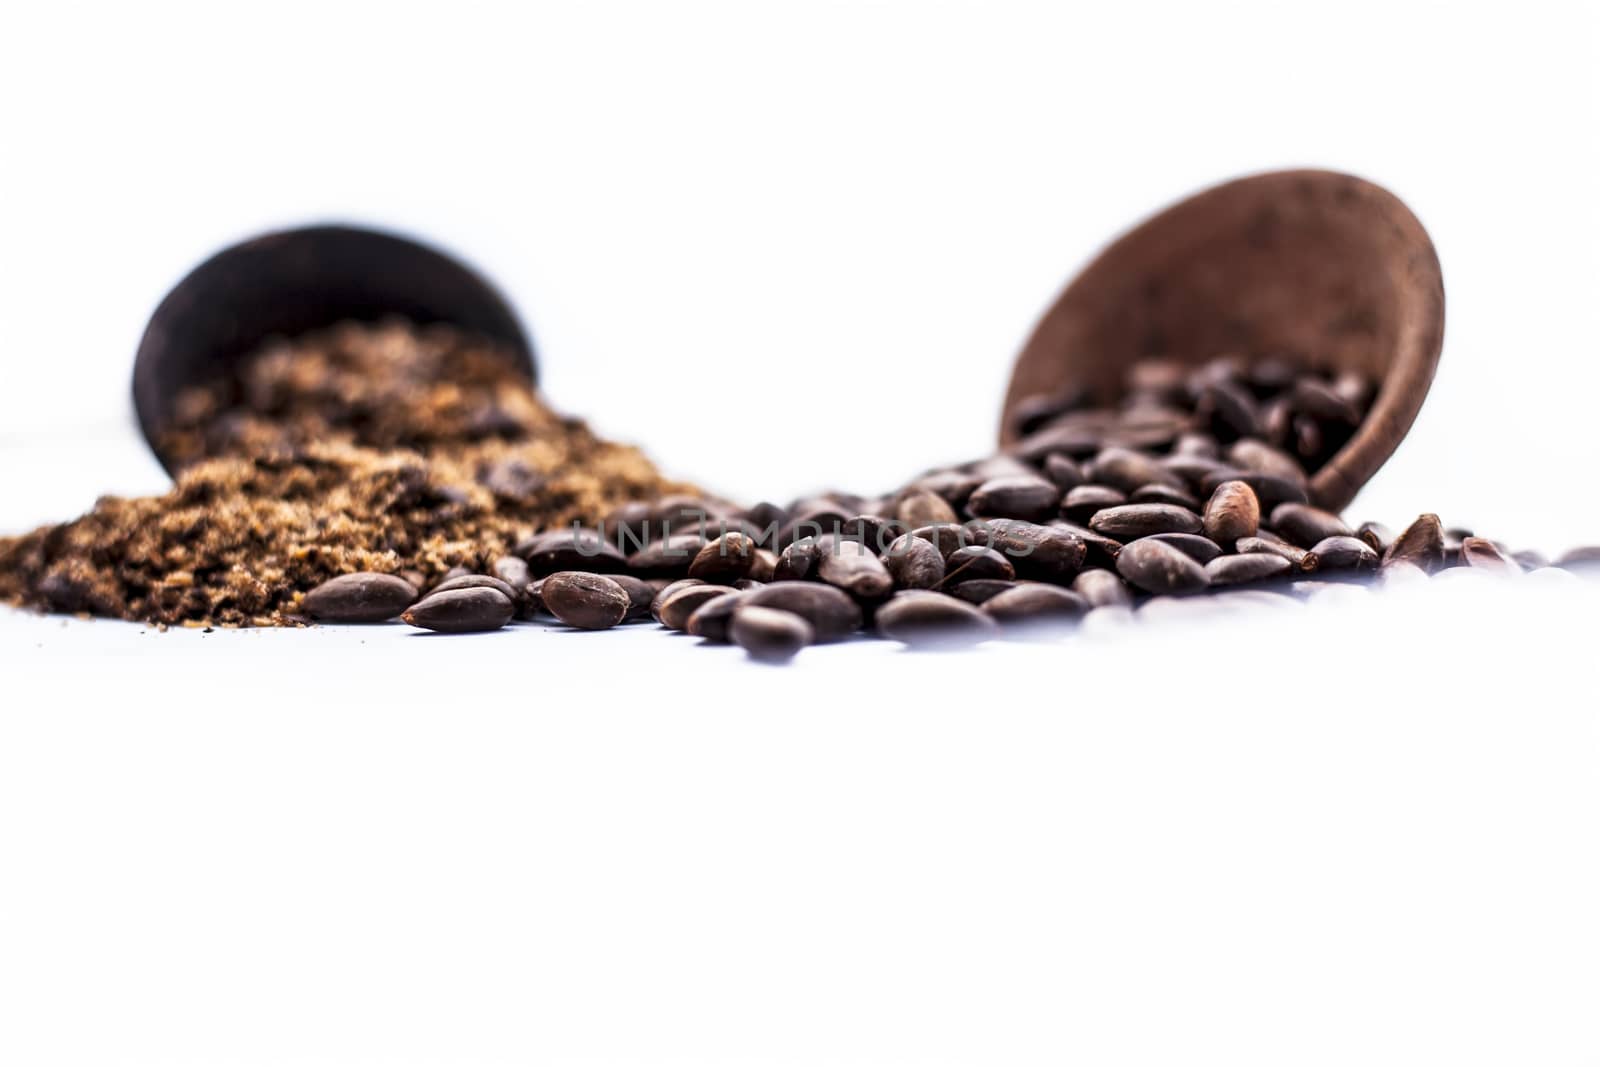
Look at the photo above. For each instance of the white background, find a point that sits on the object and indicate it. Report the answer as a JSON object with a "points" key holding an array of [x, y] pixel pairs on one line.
{"points": [[833, 226]]}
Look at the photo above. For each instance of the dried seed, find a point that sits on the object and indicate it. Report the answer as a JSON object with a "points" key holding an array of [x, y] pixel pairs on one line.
{"points": [[667, 557], [924, 507], [918, 616], [1421, 543], [361, 597], [676, 608], [1272, 546], [980, 589], [1232, 512], [831, 612], [584, 600], [713, 619], [1018, 497], [1035, 601], [569, 550], [1305, 525], [1340, 553], [1156, 567], [1062, 472], [1126, 470], [640, 594], [1049, 553], [974, 562], [798, 561], [1478, 552], [1260, 457], [1256, 567], [1082, 502], [1102, 588], [1164, 494], [768, 634], [724, 560], [1198, 548], [666, 592], [459, 611], [476, 581], [1131, 521], [1377, 536], [914, 563], [856, 569]]}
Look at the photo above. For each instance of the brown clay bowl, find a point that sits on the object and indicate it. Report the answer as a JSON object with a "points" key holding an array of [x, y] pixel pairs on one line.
{"points": [[285, 283], [1312, 266]]}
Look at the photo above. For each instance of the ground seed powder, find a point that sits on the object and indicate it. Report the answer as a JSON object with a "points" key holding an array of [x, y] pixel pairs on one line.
{"points": [[382, 447]]}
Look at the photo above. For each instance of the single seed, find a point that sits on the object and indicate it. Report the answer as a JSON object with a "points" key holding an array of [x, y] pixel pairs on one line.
{"points": [[676, 608], [974, 562], [1340, 553], [1032, 601], [1125, 470], [1082, 502], [584, 600], [856, 569], [713, 619], [1156, 567], [920, 616], [1102, 588], [1063, 472], [361, 597], [768, 634], [830, 611], [1421, 543], [724, 560], [1050, 553], [459, 611], [1017, 497], [924, 507], [476, 581], [640, 594], [1377, 536], [1305, 525], [1478, 552], [1273, 546], [1232, 512], [1198, 548], [1131, 521], [1257, 567], [980, 589], [666, 592], [914, 563]]}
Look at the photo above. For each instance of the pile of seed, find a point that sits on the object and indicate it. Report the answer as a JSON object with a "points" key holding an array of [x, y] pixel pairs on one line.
{"points": [[1195, 483], [381, 448]]}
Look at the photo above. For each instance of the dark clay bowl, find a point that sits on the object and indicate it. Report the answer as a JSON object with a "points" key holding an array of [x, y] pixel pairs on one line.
{"points": [[286, 283], [1312, 266]]}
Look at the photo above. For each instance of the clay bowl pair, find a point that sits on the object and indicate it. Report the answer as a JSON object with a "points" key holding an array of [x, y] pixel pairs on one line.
{"points": [[1320, 268]]}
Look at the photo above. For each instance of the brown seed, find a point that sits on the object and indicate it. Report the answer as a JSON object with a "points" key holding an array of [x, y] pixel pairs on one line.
{"points": [[1255, 567], [979, 589], [1156, 567], [923, 507], [1228, 410], [569, 550], [1262, 458], [953, 486], [1017, 497], [1198, 548], [974, 562], [1100, 550], [948, 537], [1032, 601], [361, 597], [1421, 543], [1269, 489], [1125, 470], [724, 560], [640, 594], [918, 616], [513, 570], [798, 561], [1272, 546], [712, 619], [1318, 398], [1102, 588], [476, 581], [1050, 553], [666, 592], [586, 601], [678, 606], [1132, 521], [763, 564], [831, 612], [856, 569], [1478, 552], [1232, 512], [1063, 472], [1305, 525], [768, 634], [1083, 502], [459, 611], [1198, 445], [1377, 536], [1340, 553], [668, 557], [914, 563]]}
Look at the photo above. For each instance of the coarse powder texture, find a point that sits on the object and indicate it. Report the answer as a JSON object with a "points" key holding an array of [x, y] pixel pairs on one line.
{"points": [[358, 448]]}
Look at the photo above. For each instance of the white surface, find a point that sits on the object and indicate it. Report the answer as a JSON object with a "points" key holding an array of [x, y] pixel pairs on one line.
{"points": [[353, 847]]}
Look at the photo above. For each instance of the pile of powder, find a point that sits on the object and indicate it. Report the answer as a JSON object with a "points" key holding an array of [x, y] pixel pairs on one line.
{"points": [[358, 448]]}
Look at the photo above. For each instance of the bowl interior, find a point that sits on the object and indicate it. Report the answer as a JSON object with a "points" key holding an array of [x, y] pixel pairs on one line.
{"points": [[1318, 268]]}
